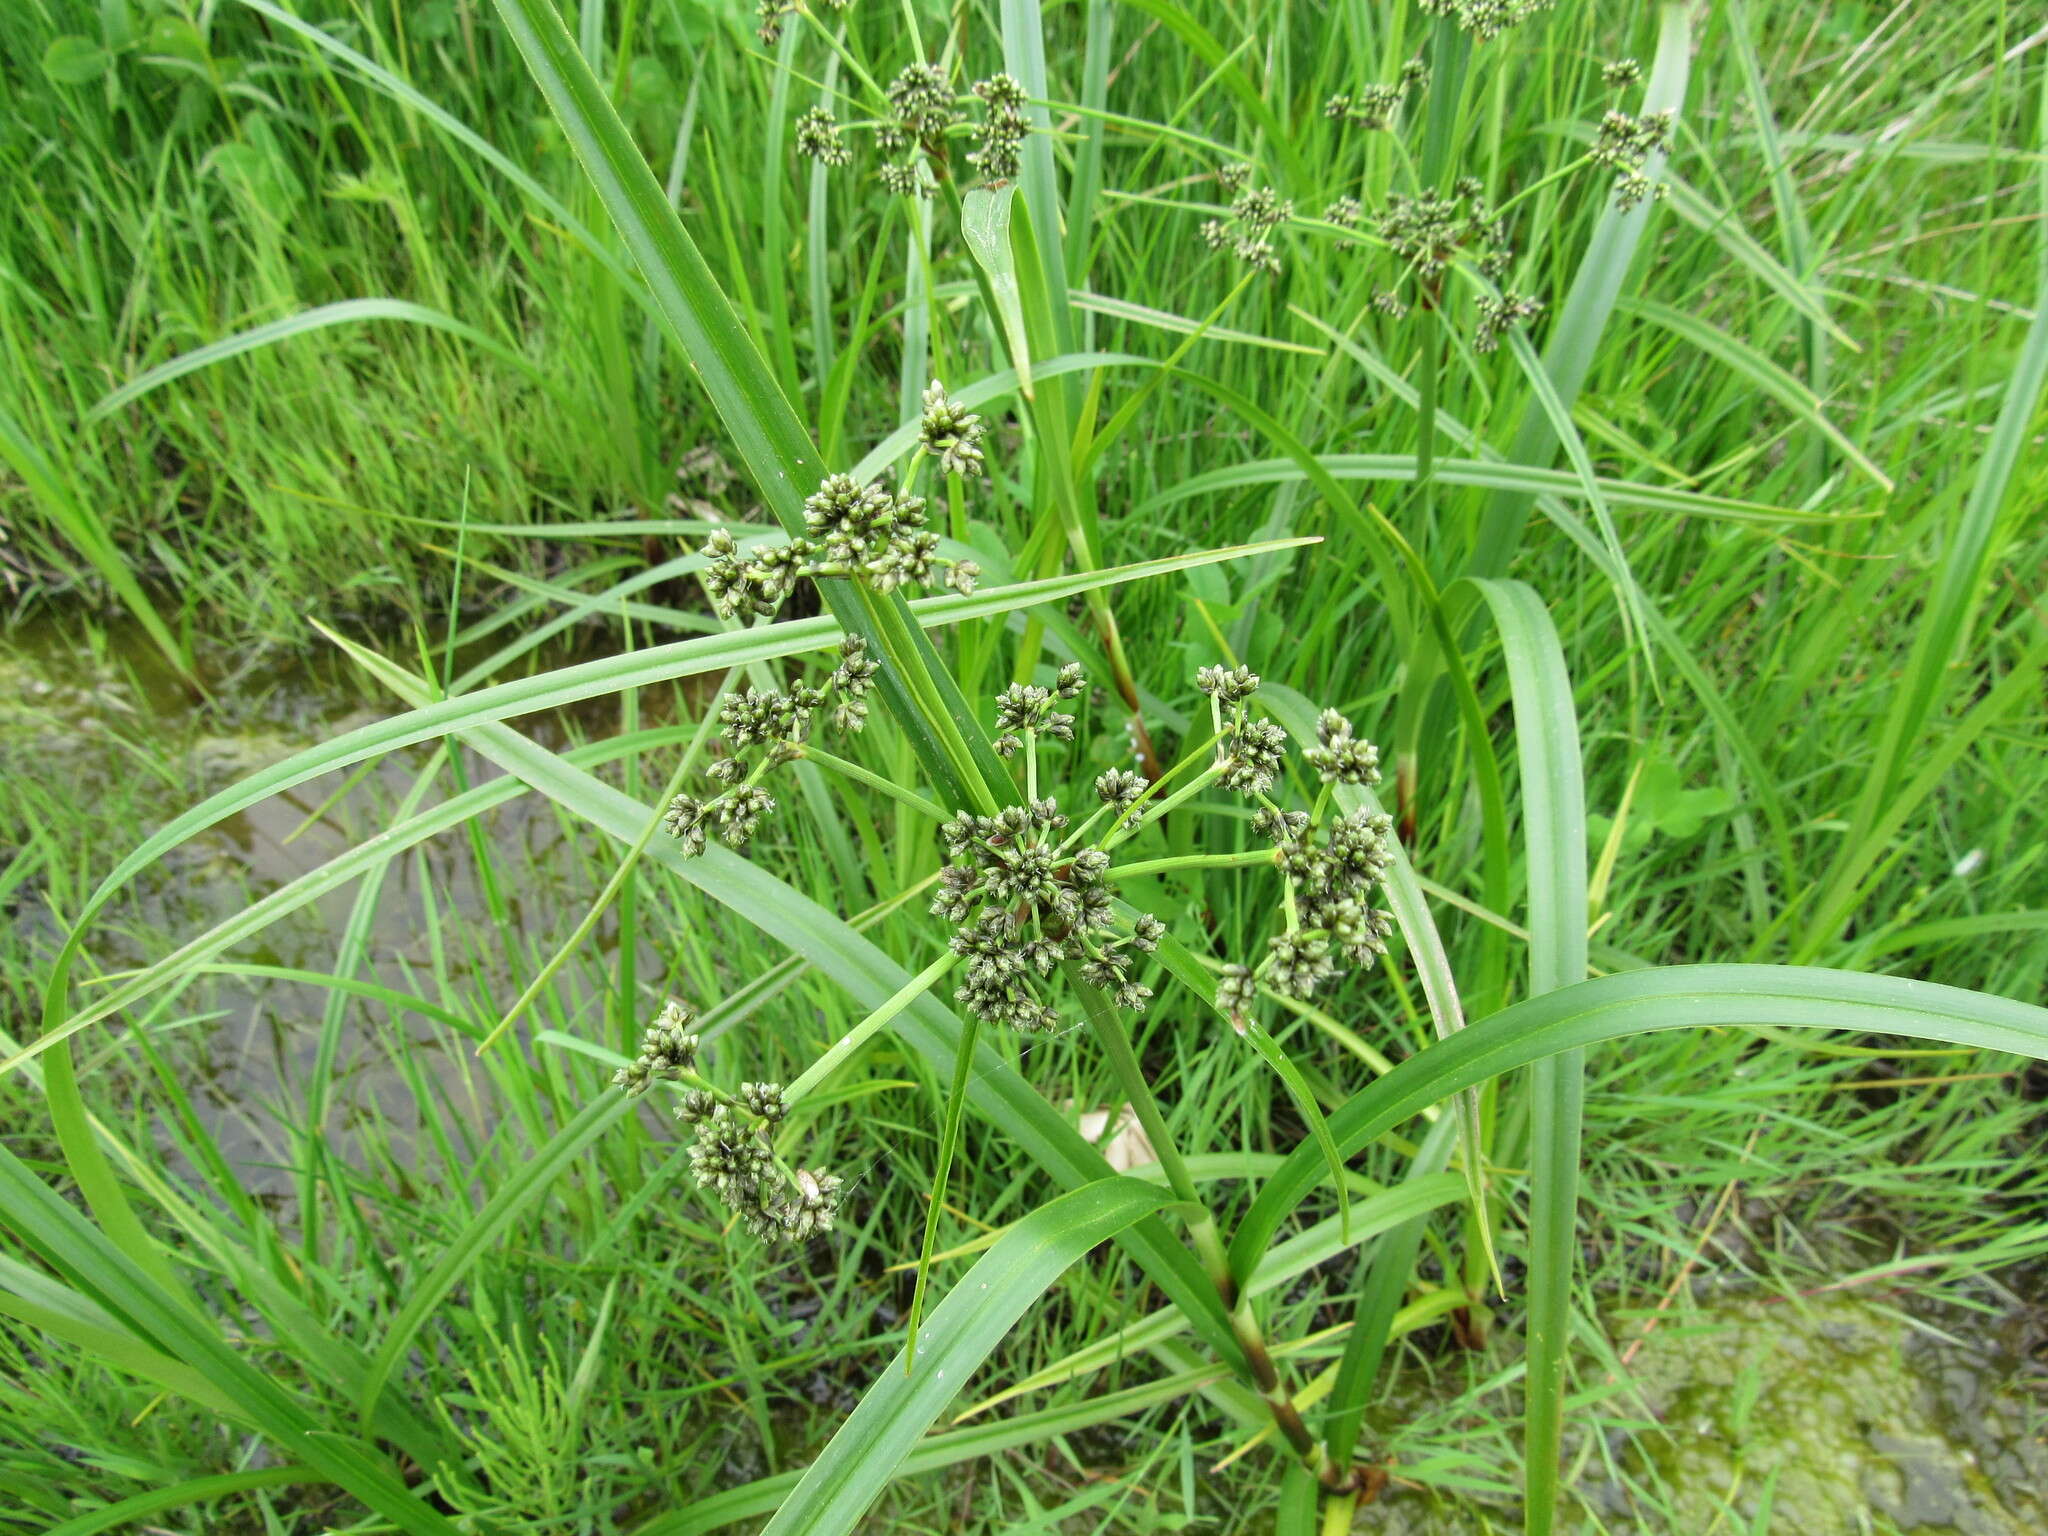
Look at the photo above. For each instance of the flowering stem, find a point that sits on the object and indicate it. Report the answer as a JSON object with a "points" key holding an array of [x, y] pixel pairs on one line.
{"points": [[620, 875], [852, 1040], [1202, 1230], [1191, 861], [1130, 1075], [873, 780], [1194, 786]]}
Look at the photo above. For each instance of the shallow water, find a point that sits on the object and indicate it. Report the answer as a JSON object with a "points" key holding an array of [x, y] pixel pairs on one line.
{"points": [[100, 745]]}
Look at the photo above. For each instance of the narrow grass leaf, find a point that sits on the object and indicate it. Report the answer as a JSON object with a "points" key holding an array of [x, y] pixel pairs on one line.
{"points": [[835, 1492]]}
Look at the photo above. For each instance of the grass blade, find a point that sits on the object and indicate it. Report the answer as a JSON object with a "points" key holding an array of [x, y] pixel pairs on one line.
{"points": [[835, 1492], [1642, 1002], [1554, 837], [346, 312]]}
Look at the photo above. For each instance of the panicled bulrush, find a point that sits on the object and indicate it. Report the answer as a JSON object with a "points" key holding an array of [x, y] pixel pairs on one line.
{"points": [[914, 119], [1620, 73], [1485, 19], [902, 179], [999, 140], [732, 1157], [921, 104], [1025, 708], [818, 137], [771, 726], [1023, 899], [667, 1050], [1376, 106], [1625, 144], [1430, 231], [1331, 866], [859, 532], [950, 433], [1255, 212], [1344, 212]]}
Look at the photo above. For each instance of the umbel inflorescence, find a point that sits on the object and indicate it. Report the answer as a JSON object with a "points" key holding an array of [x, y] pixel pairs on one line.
{"points": [[1330, 862], [1039, 941], [852, 531], [1429, 230], [1038, 938], [919, 112], [733, 1157]]}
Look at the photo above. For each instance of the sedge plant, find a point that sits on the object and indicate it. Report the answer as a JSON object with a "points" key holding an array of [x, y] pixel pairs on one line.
{"points": [[1034, 935]]}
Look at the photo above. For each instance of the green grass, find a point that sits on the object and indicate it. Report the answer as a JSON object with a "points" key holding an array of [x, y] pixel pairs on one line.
{"points": [[1767, 468]]}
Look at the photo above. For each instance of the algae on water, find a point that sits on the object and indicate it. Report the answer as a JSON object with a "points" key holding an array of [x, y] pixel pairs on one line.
{"points": [[1834, 1414]]}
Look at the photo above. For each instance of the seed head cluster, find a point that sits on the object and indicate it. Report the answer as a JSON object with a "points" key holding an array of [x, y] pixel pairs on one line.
{"points": [[1485, 19], [818, 137], [917, 112], [1255, 212], [1025, 709], [764, 729], [861, 532], [733, 1161], [950, 433], [667, 1050], [1625, 144], [1428, 231], [1024, 901], [1376, 106], [1022, 904], [999, 140], [1330, 867], [921, 110], [1251, 751], [732, 1158]]}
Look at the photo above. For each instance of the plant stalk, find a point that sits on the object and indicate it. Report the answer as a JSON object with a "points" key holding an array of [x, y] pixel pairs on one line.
{"points": [[1202, 1231]]}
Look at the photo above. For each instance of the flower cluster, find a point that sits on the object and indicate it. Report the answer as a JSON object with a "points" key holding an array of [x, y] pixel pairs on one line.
{"points": [[1619, 74], [1255, 212], [1377, 105], [1022, 904], [1024, 899], [851, 530], [818, 138], [917, 113], [1497, 315], [950, 433], [921, 110], [999, 141], [732, 1158], [1429, 231], [1339, 757], [1330, 868], [774, 724], [1426, 231], [1485, 19], [1625, 144], [1250, 752], [667, 1050], [1025, 710]]}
